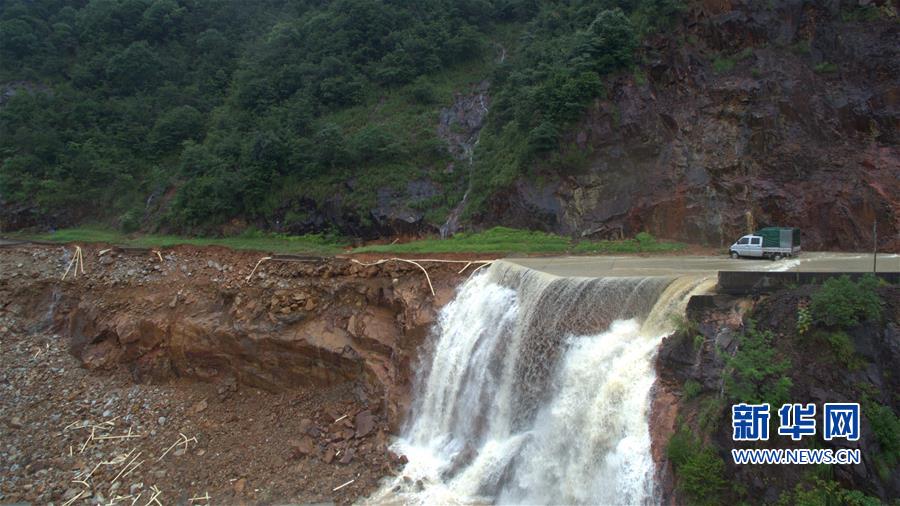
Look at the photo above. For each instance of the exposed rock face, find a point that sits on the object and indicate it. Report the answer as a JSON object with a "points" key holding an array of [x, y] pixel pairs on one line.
{"points": [[10, 89], [818, 374], [460, 124], [798, 126], [394, 212], [680, 358], [460, 127], [308, 323]]}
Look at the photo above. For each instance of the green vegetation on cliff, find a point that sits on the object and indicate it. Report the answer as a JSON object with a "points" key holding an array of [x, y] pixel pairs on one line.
{"points": [[186, 114], [700, 470], [841, 302], [757, 373], [783, 356]]}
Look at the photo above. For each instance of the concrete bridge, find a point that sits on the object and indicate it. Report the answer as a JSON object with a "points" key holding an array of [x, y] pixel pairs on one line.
{"points": [[676, 265], [736, 277]]}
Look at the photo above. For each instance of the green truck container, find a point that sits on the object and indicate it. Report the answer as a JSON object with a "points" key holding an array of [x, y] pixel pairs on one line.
{"points": [[779, 237]]}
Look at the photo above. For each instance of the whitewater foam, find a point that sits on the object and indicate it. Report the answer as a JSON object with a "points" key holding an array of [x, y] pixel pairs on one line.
{"points": [[537, 391]]}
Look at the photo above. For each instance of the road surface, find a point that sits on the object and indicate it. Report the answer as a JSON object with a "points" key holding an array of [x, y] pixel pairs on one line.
{"points": [[603, 266]]}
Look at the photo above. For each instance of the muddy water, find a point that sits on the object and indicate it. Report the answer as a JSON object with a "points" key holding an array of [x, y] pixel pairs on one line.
{"points": [[537, 391]]}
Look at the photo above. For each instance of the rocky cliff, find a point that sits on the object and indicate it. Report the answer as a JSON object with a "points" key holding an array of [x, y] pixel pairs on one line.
{"points": [[694, 393], [787, 111]]}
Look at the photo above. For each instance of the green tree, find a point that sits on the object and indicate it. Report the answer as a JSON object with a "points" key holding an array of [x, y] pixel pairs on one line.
{"points": [[134, 68], [161, 19], [543, 138], [17, 38], [608, 43], [330, 149], [176, 125], [373, 144]]}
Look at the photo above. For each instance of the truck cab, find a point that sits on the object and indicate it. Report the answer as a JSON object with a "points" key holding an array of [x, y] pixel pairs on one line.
{"points": [[770, 242], [747, 246]]}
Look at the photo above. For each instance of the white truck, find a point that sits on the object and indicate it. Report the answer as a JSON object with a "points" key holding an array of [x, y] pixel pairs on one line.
{"points": [[770, 242]]}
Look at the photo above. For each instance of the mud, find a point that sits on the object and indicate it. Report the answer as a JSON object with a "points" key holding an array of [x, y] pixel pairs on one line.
{"points": [[286, 384]]}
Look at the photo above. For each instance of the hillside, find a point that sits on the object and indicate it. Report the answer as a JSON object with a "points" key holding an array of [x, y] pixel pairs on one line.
{"points": [[371, 119]]}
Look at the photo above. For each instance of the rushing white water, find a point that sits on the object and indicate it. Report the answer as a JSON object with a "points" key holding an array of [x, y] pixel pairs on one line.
{"points": [[537, 392]]}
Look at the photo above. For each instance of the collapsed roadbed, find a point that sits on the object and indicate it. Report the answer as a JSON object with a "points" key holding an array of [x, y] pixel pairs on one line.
{"points": [[266, 381]]}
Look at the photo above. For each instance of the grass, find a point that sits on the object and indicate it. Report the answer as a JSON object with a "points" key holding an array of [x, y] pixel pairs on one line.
{"points": [[691, 389], [826, 68], [495, 240], [801, 47], [313, 244], [722, 65], [498, 240], [640, 77], [642, 243], [861, 13], [510, 240]]}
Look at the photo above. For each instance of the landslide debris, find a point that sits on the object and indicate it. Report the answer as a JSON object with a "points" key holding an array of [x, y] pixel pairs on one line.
{"points": [[173, 375]]}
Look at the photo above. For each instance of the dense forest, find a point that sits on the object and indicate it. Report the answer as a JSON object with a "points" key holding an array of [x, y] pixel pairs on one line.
{"points": [[203, 116]]}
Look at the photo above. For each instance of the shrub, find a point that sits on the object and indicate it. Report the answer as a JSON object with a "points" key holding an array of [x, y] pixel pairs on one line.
{"points": [[861, 13], [684, 325], [844, 303], [804, 319], [743, 54], [423, 92], [698, 341], [639, 77], [722, 65], [826, 68], [756, 375], [691, 389], [681, 445], [886, 426], [645, 240], [710, 413], [826, 492], [698, 469], [801, 47], [839, 343], [130, 221], [543, 138], [373, 144], [700, 478]]}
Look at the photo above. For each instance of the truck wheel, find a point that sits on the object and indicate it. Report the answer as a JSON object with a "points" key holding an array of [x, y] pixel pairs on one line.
{"points": [[734, 255], [776, 257]]}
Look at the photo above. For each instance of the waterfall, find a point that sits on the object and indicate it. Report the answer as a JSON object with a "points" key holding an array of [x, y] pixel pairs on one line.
{"points": [[536, 391]]}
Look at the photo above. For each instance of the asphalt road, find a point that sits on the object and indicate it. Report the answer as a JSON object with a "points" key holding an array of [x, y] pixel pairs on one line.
{"points": [[601, 266]]}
